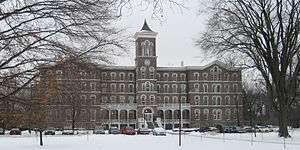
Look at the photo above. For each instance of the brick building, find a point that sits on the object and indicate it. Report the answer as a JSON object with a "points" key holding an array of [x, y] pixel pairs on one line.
{"points": [[145, 93]]}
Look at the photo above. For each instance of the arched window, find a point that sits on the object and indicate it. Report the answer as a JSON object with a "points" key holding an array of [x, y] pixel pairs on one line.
{"points": [[227, 113], [204, 76], [205, 88], [122, 99], [143, 99], [122, 76], [216, 88], [166, 76], [131, 88], [147, 48], [174, 76], [197, 87], [131, 76], [205, 100], [151, 70], [196, 76], [174, 88], [122, 87], [152, 99], [113, 99], [143, 72], [158, 76], [182, 88], [182, 77], [158, 88], [227, 100], [166, 99], [206, 114], [113, 76], [175, 99], [197, 114], [113, 87], [166, 88], [197, 100]]}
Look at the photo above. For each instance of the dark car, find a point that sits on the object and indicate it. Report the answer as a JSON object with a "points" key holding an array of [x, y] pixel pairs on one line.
{"points": [[143, 131], [114, 130], [15, 131], [2, 132], [203, 129], [128, 131], [50, 131]]}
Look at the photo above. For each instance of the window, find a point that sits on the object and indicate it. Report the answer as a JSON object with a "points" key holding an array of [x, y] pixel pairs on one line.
{"points": [[93, 99], [226, 76], [206, 114], [151, 71], [174, 77], [122, 99], [227, 100], [147, 86], [158, 88], [182, 77], [227, 113], [197, 87], [93, 115], [166, 76], [104, 76], [197, 100], [216, 100], [182, 88], [196, 76], [216, 88], [158, 76], [131, 99], [183, 99], [226, 88], [234, 76], [143, 99], [152, 99], [166, 88], [204, 76], [83, 86], [147, 47], [175, 99], [113, 87], [143, 72], [235, 88], [205, 88], [131, 77], [197, 114], [205, 100], [93, 86], [174, 88], [103, 87], [131, 88], [105, 99], [83, 99], [122, 76], [122, 87], [217, 114], [166, 99], [113, 76], [113, 99], [216, 73]]}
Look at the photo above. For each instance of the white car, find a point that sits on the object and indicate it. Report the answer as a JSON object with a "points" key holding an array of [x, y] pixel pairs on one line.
{"points": [[159, 131]]}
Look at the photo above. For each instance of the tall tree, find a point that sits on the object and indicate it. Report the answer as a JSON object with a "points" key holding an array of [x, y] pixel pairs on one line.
{"points": [[266, 32], [40, 31]]}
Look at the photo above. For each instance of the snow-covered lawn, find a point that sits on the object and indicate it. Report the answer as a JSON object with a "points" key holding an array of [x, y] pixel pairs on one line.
{"points": [[192, 141]]}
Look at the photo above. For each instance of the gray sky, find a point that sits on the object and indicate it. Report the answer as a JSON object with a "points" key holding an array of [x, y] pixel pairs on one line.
{"points": [[176, 34]]}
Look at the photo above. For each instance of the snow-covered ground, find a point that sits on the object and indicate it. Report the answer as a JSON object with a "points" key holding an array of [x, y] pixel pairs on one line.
{"points": [[192, 141]]}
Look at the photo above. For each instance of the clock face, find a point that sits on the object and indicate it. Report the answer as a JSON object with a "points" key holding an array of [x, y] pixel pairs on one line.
{"points": [[147, 62]]}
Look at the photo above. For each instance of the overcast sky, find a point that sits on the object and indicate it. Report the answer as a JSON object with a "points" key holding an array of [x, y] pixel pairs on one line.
{"points": [[176, 34]]}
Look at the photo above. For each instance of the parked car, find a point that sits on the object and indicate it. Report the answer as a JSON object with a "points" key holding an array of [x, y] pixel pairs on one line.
{"points": [[143, 131], [15, 131], [2, 132], [128, 131], [159, 131], [114, 130], [67, 132], [248, 129], [82, 131], [203, 129], [50, 131], [98, 130]]}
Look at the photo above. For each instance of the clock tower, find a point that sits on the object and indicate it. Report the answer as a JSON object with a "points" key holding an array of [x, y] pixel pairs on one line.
{"points": [[145, 63]]}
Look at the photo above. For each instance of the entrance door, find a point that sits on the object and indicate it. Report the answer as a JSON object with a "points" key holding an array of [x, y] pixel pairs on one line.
{"points": [[148, 115]]}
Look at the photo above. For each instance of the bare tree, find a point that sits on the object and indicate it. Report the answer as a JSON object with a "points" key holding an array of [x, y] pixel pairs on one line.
{"points": [[266, 32], [33, 32]]}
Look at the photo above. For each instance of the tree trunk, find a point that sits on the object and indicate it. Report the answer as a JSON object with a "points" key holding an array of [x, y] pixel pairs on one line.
{"points": [[283, 122], [41, 138]]}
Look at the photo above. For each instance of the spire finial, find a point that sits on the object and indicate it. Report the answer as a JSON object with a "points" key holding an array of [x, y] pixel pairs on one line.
{"points": [[146, 27]]}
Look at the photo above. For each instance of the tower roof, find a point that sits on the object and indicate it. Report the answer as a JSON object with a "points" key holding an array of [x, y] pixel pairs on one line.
{"points": [[146, 27]]}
